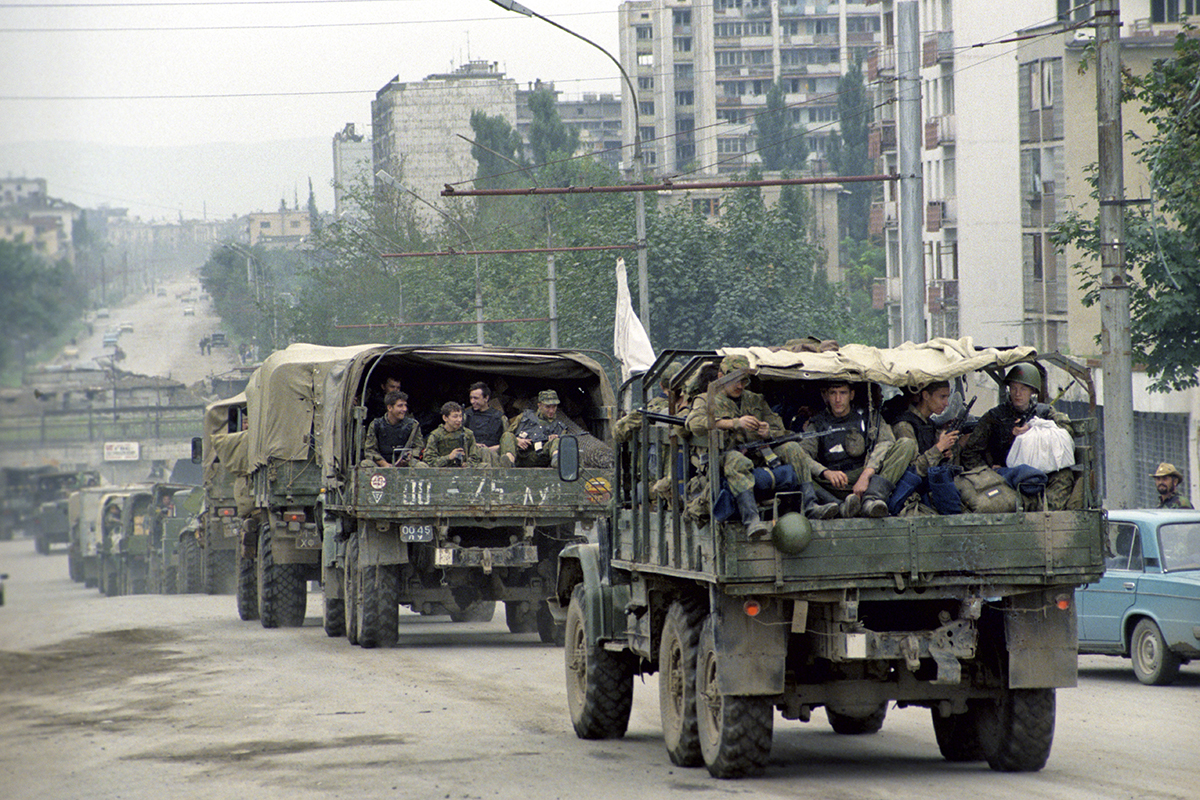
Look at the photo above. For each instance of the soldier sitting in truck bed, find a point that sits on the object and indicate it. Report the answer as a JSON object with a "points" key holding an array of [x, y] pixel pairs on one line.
{"points": [[452, 445], [532, 439], [395, 438]]}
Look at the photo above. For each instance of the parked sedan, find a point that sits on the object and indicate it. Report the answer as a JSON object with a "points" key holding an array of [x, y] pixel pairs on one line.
{"points": [[1147, 605]]}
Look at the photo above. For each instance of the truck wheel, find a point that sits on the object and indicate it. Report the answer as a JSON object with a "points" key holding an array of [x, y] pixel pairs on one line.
{"points": [[735, 730], [856, 724], [247, 589], [189, 565], [1153, 662], [549, 631], [335, 612], [218, 570], [1016, 729], [479, 611], [677, 683], [351, 589], [958, 735], [599, 682], [379, 606], [170, 580], [42, 545], [74, 567], [521, 617], [108, 577], [282, 590]]}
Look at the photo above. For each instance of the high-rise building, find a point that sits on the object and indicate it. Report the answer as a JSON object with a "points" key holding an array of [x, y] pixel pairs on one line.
{"points": [[352, 166], [702, 70], [597, 117]]}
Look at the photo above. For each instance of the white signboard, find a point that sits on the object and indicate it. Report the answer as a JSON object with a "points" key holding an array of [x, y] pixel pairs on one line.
{"points": [[122, 451]]}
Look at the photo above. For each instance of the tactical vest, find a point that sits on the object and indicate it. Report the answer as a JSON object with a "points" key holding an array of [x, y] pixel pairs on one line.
{"points": [[537, 429], [925, 430], [846, 448], [391, 438], [487, 425]]}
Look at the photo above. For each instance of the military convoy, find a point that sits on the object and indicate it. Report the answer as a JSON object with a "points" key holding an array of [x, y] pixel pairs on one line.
{"points": [[969, 615]]}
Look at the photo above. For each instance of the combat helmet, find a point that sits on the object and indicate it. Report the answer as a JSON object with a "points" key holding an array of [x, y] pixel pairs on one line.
{"points": [[791, 533], [1027, 374]]}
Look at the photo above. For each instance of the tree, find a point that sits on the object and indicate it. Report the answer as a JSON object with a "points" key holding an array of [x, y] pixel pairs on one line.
{"points": [[497, 145], [1163, 240], [780, 144], [314, 216], [37, 299], [848, 152], [548, 136]]}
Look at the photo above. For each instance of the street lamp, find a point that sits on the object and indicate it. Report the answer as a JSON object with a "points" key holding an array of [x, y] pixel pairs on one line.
{"points": [[386, 177], [639, 198], [255, 276]]}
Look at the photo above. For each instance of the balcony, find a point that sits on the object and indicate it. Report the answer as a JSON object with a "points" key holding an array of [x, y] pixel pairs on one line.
{"points": [[881, 62], [934, 210], [941, 296], [939, 131], [881, 138], [937, 48]]}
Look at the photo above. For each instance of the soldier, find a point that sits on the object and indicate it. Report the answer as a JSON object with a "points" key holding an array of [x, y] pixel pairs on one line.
{"points": [[532, 439], [748, 418], [933, 446], [1166, 481], [393, 438], [993, 437], [377, 399], [451, 445], [859, 460], [485, 422]]}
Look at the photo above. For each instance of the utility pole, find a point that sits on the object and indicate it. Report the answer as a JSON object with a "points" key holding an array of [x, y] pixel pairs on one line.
{"points": [[908, 129], [1116, 350]]}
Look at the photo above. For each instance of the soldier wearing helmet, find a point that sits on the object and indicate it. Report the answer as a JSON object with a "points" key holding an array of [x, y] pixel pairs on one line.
{"points": [[1166, 480], [993, 437]]}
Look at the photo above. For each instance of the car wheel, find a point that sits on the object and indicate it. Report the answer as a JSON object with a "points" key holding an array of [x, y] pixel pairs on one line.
{"points": [[1153, 662]]}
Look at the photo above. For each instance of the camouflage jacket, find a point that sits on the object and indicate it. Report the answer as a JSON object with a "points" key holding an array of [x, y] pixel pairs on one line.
{"points": [[442, 443], [725, 407], [1174, 501]]}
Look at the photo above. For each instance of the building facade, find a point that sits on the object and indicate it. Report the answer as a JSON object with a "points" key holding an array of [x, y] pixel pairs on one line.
{"points": [[597, 117], [352, 167]]}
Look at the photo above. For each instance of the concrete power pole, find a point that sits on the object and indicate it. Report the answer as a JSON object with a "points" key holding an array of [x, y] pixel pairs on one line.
{"points": [[1116, 358], [909, 142]]}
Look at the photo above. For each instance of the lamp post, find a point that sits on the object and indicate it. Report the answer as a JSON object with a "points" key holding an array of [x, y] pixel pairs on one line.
{"points": [[254, 276], [639, 199], [386, 177]]}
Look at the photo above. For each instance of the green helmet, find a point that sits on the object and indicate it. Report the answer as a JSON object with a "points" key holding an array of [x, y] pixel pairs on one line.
{"points": [[1027, 374], [792, 533]]}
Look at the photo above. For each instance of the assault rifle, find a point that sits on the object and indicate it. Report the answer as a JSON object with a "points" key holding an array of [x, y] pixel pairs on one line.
{"points": [[764, 447]]}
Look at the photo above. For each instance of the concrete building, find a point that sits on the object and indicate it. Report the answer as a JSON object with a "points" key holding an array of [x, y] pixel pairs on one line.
{"points": [[352, 166], [703, 69], [1009, 131], [29, 215], [597, 117], [413, 126], [278, 230], [22, 190]]}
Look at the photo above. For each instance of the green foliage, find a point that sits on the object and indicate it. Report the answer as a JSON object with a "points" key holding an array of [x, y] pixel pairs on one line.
{"points": [[1162, 241], [38, 299], [497, 147], [864, 263], [780, 144], [548, 137], [848, 152]]}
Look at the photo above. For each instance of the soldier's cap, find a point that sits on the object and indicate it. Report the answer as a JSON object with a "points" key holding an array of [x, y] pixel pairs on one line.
{"points": [[1166, 469], [731, 362], [548, 397], [670, 372]]}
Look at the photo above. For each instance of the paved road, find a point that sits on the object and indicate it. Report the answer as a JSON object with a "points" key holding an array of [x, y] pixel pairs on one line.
{"points": [[173, 697], [164, 341]]}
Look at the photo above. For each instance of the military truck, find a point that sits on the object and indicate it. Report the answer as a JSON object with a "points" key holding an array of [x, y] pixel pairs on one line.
{"points": [[17, 506], [134, 545], [51, 523], [969, 615], [116, 515], [207, 561], [456, 539], [178, 519], [86, 511]]}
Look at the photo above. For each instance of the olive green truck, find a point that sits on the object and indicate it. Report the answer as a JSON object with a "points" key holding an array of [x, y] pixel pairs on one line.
{"points": [[969, 615]]}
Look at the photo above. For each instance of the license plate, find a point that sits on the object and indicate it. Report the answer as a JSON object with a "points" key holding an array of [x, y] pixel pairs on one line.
{"points": [[416, 533]]}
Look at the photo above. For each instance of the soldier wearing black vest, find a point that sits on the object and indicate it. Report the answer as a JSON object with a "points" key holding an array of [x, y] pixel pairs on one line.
{"points": [[394, 439], [933, 445]]}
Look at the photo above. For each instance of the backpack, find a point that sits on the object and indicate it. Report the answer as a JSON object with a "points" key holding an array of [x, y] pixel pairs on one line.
{"points": [[984, 491]]}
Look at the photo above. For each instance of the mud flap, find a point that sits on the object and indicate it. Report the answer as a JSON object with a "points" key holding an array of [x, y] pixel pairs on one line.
{"points": [[1042, 639], [752, 650], [379, 543], [604, 614]]}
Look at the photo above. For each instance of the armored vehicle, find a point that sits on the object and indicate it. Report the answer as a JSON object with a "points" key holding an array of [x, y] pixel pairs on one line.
{"points": [[457, 539], [970, 615]]}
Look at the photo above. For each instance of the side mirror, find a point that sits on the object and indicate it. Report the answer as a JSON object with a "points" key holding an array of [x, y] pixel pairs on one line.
{"points": [[197, 450], [568, 459]]}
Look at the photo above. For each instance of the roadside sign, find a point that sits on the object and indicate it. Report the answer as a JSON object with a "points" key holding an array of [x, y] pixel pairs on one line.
{"points": [[122, 451]]}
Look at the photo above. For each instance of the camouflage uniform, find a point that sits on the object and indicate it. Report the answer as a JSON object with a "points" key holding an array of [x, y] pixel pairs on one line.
{"points": [[398, 435], [443, 442], [847, 451], [542, 428], [989, 443], [1174, 500]]}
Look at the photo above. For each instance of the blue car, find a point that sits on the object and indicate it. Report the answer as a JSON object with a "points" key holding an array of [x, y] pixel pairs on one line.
{"points": [[1147, 605]]}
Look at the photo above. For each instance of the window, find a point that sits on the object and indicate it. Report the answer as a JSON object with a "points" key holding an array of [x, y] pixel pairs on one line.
{"points": [[644, 32], [729, 58], [682, 16], [684, 71], [731, 145], [264, 224], [646, 132], [708, 207], [645, 59], [685, 98], [1164, 10], [645, 83], [1125, 545], [295, 223], [646, 108], [683, 44]]}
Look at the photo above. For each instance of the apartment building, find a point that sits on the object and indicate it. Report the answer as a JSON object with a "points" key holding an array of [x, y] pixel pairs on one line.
{"points": [[352, 166], [596, 116], [703, 69]]}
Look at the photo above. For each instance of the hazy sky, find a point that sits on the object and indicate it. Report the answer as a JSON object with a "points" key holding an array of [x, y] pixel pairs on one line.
{"points": [[173, 72]]}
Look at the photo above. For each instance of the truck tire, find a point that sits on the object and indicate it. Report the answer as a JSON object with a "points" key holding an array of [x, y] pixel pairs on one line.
{"points": [[170, 580], [74, 567], [520, 617], [1016, 729], [42, 545], [108, 577], [189, 565], [219, 570], [247, 589], [549, 631], [1153, 662], [282, 590], [351, 590], [856, 724], [335, 612], [599, 682], [677, 682], [379, 606], [735, 730], [479, 611], [958, 735]]}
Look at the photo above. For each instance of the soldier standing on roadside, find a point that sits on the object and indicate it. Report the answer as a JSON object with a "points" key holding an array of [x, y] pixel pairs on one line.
{"points": [[1166, 480]]}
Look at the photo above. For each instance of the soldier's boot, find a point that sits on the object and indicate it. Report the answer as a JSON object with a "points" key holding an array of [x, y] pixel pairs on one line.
{"points": [[816, 507], [748, 507], [879, 489], [851, 506]]}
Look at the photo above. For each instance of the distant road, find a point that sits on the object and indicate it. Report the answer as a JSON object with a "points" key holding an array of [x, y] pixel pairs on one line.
{"points": [[164, 342]]}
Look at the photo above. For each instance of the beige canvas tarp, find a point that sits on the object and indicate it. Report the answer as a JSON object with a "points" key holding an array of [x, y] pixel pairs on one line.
{"points": [[285, 399], [909, 365], [216, 420]]}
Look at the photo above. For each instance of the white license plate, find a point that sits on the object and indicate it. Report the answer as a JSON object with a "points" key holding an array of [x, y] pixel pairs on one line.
{"points": [[416, 533]]}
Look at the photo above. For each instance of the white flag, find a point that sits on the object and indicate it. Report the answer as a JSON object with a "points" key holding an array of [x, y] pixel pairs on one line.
{"points": [[630, 342]]}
